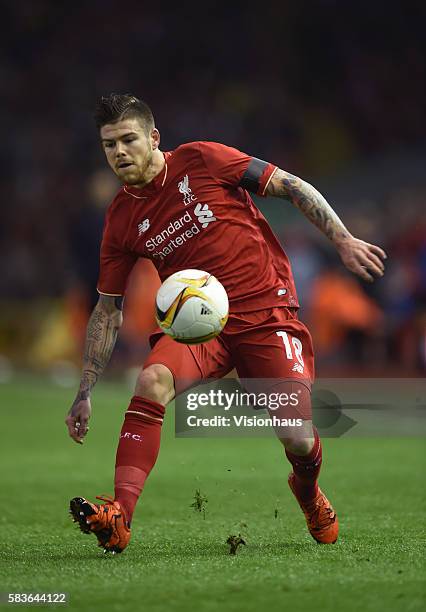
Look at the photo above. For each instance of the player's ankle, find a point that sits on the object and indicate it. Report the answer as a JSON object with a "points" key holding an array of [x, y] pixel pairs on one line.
{"points": [[127, 503]]}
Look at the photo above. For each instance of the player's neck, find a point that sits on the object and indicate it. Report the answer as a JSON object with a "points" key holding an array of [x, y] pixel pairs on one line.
{"points": [[155, 167]]}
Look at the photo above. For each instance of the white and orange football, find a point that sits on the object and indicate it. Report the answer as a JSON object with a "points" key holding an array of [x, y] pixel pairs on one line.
{"points": [[192, 306]]}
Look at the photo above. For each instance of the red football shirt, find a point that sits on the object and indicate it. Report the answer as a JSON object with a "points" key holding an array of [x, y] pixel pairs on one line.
{"points": [[195, 214]]}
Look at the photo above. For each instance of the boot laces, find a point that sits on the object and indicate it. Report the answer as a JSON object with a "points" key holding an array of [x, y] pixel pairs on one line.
{"points": [[106, 498], [320, 513]]}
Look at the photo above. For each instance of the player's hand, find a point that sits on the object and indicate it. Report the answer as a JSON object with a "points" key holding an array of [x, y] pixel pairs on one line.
{"points": [[362, 258], [78, 419]]}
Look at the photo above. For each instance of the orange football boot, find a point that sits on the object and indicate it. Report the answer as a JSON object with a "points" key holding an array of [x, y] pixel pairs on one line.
{"points": [[107, 521], [320, 517]]}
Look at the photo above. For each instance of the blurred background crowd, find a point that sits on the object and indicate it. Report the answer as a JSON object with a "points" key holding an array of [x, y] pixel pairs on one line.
{"points": [[331, 91]]}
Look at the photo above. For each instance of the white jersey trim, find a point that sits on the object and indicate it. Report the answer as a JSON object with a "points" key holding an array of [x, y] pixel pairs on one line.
{"points": [[109, 294], [269, 180]]}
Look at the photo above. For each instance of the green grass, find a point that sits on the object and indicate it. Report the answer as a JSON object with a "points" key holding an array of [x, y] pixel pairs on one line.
{"points": [[177, 559]]}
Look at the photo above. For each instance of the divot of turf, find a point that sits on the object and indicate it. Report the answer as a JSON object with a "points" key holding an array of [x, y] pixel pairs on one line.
{"points": [[199, 503], [234, 542]]}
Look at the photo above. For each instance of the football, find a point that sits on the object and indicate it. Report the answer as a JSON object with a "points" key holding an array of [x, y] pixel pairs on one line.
{"points": [[192, 306]]}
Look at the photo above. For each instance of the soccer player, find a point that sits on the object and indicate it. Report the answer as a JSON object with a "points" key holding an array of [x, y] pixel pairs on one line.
{"points": [[190, 208]]}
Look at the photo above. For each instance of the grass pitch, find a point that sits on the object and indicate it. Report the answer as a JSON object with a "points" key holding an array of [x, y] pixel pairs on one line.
{"points": [[178, 559]]}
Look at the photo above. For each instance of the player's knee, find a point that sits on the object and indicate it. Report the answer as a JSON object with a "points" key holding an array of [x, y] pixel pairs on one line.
{"points": [[156, 383], [297, 445], [298, 440]]}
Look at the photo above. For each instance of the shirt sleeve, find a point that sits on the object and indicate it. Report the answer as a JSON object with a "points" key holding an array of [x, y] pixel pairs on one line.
{"points": [[115, 264], [232, 168]]}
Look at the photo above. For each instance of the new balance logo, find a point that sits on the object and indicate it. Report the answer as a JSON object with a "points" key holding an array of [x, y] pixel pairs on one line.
{"points": [[205, 310], [142, 227], [204, 214], [186, 191]]}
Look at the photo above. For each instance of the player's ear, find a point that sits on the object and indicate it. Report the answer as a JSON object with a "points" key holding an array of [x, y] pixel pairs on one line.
{"points": [[155, 138]]}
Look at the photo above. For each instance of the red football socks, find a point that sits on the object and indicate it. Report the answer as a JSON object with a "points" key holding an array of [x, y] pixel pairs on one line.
{"points": [[137, 450], [306, 469]]}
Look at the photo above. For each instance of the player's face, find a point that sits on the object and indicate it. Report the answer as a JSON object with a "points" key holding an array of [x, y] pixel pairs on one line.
{"points": [[129, 149]]}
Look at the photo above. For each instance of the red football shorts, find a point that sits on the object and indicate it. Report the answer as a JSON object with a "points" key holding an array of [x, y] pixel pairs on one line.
{"points": [[266, 344]]}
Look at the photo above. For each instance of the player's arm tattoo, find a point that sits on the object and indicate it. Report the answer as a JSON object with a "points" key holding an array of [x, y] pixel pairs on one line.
{"points": [[310, 202], [101, 335]]}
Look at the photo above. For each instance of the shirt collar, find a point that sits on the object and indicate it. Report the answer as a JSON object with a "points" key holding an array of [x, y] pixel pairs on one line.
{"points": [[153, 186]]}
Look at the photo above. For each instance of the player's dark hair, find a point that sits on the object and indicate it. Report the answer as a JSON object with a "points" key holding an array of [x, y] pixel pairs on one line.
{"points": [[116, 107]]}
